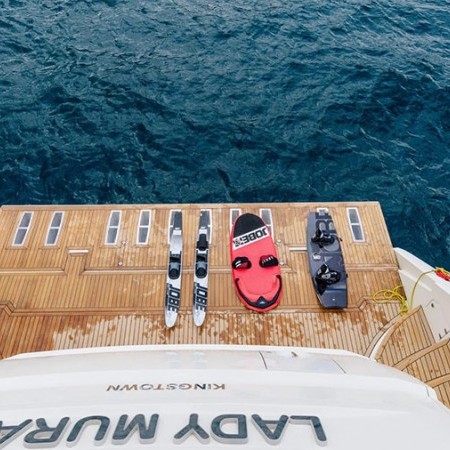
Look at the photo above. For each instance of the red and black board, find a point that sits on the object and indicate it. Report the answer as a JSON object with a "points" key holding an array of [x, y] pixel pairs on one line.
{"points": [[255, 268]]}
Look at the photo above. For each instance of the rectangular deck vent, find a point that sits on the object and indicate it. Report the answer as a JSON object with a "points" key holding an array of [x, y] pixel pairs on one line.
{"points": [[234, 214], [172, 213], [112, 231], [143, 231], [54, 228], [22, 229], [266, 216], [355, 223]]}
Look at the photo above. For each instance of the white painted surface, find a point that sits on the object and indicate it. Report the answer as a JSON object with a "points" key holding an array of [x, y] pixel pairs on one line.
{"points": [[432, 292], [359, 403]]}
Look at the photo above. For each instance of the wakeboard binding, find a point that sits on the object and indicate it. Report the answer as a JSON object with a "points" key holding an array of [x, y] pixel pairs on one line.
{"points": [[322, 238], [326, 277]]}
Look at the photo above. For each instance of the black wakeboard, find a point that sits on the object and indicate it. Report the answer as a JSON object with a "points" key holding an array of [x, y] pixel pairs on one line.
{"points": [[326, 262]]}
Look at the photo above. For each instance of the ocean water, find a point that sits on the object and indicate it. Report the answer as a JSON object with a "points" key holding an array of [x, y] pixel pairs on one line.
{"points": [[163, 101]]}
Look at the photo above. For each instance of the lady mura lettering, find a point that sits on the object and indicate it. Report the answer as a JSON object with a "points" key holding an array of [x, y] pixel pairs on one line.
{"points": [[224, 428]]}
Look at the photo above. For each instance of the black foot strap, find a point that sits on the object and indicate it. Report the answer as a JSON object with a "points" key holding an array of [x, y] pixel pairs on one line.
{"points": [[241, 262], [268, 261]]}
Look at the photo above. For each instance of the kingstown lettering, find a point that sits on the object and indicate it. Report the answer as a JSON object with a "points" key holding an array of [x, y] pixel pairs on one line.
{"points": [[166, 387]]}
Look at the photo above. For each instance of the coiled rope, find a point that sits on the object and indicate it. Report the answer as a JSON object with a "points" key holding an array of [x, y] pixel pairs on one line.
{"points": [[392, 295]]}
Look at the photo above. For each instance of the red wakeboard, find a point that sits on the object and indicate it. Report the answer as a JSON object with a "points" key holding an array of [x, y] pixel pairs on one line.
{"points": [[255, 268]]}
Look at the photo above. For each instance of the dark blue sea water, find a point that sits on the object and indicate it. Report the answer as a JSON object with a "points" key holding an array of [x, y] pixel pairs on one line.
{"points": [[163, 101]]}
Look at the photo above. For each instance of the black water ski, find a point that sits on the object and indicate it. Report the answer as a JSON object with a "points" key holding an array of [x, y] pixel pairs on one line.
{"points": [[200, 296], [326, 263], [174, 267]]}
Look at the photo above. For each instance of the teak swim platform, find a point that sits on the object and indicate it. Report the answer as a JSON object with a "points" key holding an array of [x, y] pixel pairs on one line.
{"points": [[89, 276]]}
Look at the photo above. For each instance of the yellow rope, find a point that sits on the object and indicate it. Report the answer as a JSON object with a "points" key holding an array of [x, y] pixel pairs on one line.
{"points": [[415, 285], [392, 295]]}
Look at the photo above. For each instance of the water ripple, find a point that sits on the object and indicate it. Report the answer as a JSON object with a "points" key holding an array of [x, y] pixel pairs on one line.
{"points": [[174, 101]]}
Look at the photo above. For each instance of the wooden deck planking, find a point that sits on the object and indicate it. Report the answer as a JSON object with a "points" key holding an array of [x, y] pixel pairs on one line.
{"points": [[375, 251], [295, 288], [113, 295], [300, 329], [443, 393], [430, 364], [409, 335]]}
